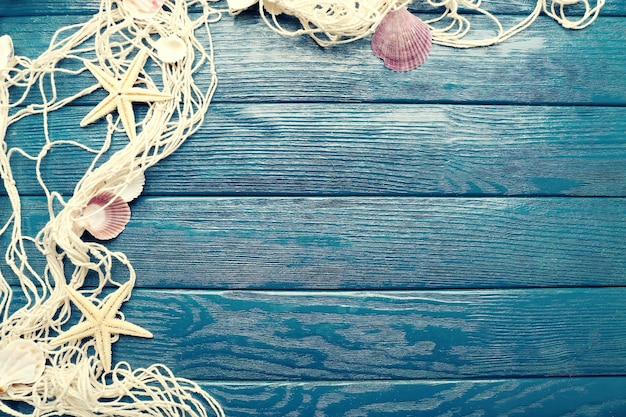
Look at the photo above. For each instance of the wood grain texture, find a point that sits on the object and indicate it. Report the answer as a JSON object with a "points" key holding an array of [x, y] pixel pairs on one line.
{"points": [[269, 336], [370, 243], [544, 65], [554, 397], [363, 149], [316, 182]]}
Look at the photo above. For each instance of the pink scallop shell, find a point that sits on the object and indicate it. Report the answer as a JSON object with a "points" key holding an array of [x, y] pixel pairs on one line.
{"points": [[402, 40], [143, 9], [105, 216]]}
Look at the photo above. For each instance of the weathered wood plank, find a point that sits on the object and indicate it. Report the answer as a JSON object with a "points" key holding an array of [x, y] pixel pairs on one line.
{"points": [[553, 397], [268, 336], [352, 243], [543, 65], [363, 149], [58, 7], [380, 243]]}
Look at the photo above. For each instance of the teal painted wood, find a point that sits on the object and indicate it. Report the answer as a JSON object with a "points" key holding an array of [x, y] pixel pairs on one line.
{"points": [[554, 397], [384, 353], [555, 63], [363, 149], [302, 336], [544, 65], [367, 243]]}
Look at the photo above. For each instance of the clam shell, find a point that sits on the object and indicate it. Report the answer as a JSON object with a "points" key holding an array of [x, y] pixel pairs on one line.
{"points": [[105, 216], [402, 40], [134, 188], [238, 6], [143, 9], [273, 7], [7, 54], [171, 49], [21, 362]]}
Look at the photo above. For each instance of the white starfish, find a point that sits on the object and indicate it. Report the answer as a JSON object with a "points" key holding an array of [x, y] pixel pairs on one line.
{"points": [[122, 94], [101, 323]]}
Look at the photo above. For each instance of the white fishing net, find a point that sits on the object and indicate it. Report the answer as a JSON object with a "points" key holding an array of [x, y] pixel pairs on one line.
{"points": [[340, 21], [76, 380]]}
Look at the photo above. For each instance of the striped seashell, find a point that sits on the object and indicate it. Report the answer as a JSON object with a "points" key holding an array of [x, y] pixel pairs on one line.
{"points": [[105, 216], [143, 9], [134, 188], [402, 40], [21, 362]]}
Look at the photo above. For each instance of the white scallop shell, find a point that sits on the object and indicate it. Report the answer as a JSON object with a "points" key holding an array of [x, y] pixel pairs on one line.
{"points": [[21, 362], [105, 216], [171, 49], [7, 54], [273, 7], [133, 188], [143, 9], [402, 40], [238, 6]]}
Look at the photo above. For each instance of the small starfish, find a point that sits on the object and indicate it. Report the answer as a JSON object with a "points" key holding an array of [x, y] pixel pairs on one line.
{"points": [[101, 323], [122, 94]]}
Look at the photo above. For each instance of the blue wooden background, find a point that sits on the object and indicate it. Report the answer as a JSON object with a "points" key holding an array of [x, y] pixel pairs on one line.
{"points": [[342, 240]]}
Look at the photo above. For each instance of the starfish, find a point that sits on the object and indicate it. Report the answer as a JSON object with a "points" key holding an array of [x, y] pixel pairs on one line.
{"points": [[122, 94], [101, 323]]}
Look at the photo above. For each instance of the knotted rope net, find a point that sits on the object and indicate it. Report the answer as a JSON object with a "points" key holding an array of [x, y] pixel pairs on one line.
{"points": [[74, 381], [341, 21]]}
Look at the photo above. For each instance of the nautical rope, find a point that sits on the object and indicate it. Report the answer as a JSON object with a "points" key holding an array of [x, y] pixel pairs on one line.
{"points": [[74, 381], [340, 21]]}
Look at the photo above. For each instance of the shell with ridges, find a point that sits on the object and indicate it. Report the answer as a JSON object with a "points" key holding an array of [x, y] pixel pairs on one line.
{"points": [[21, 362], [105, 216], [143, 9], [402, 40], [134, 187]]}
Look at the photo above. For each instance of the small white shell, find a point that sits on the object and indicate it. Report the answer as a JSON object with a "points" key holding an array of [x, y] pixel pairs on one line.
{"points": [[238, 6], [21, 362], [171, 49], [7, 54], [402, 40], [143, 9], [105, 216], [273, 7], [134, 188]]}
